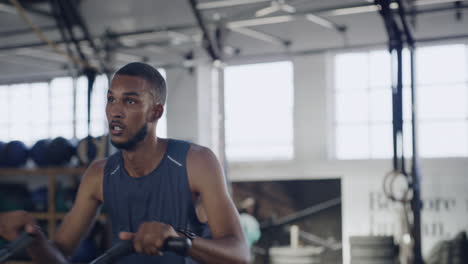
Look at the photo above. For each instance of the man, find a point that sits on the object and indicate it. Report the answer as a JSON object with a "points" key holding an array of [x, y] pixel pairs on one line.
{"points": [[153, 188]]}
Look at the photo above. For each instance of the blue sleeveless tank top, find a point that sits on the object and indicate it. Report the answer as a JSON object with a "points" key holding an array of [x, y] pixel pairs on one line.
{"points": [[163, 195]]}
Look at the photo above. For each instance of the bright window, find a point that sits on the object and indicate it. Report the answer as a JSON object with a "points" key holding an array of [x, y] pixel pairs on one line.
{"points": [[363, 103], [98, 125], [34, 111], [259, 111], [442, 78]]}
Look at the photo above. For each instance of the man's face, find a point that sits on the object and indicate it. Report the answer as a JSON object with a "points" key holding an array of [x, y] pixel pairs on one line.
{"points": [[128, 110]]}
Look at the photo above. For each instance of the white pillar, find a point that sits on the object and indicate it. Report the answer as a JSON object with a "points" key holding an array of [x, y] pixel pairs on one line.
{"points": [[181, 105], [210, 91], [311, 123], [195, 106]]}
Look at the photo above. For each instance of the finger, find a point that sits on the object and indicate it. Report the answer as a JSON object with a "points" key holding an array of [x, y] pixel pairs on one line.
{"points": [[159, 244], [138, 245], [148, 242], [31, 229], [126, 235], [150, 250]]}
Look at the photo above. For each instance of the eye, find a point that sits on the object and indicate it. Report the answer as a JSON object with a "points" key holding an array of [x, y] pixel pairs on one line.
{"points": [[110, 99], [130, 101]]}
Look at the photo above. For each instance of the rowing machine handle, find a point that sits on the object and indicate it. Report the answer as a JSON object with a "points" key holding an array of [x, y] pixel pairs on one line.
{"points": [[15, 246], [179, 245]]}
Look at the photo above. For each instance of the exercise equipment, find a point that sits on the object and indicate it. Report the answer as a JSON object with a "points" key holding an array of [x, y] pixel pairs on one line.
{"points": [[16, 246], [87, 150], [179, 245], [103, 146], [38, 152], [373, 249], [15, 154], [299, 255], [399, 36], [60, 151], [91, 148], [86, 252]]}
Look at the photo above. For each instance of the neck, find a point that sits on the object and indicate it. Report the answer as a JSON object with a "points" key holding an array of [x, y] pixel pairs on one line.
{"points": [[145, 157]]}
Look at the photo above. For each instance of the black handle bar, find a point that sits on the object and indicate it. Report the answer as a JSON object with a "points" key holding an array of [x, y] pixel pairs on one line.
{"points": [[15, 246], [179, 245]]}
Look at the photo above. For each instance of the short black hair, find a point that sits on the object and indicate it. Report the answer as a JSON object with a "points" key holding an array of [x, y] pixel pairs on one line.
{"points": [[151, 75]]}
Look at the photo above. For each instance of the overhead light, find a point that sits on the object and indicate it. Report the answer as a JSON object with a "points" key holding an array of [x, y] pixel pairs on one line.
{"points": [[352, 10], [177, 36], [128, 42], [320, 21], [260, 21], [276, 5], [260, 35]]}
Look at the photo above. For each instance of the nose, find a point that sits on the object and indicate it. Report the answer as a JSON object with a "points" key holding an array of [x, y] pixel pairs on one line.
{"points": [[115, 110]]}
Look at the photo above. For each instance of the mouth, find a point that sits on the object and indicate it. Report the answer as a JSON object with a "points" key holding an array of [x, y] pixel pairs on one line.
{"points": [[116, 128]]}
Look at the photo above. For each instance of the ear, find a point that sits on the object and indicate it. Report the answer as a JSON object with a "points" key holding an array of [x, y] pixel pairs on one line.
{"points": [[156, 112]]}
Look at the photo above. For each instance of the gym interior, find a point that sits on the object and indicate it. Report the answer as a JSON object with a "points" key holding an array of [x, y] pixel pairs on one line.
{"points": [[341, 125]]}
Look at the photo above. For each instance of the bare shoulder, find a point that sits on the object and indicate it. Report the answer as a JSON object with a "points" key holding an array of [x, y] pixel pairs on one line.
{"points": [[202, 166], [93, 178], [200, 153], [95, 170]]}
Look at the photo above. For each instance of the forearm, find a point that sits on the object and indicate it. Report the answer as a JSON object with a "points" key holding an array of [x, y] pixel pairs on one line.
{"points": [[229, 250], [43, 251]]}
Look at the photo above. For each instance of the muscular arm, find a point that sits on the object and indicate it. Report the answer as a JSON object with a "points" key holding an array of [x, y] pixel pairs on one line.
{"points": [[76, 223], [206, 178]]}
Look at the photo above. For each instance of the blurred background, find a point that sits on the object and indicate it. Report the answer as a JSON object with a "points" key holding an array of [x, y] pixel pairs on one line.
{"points": [[342, 125]]}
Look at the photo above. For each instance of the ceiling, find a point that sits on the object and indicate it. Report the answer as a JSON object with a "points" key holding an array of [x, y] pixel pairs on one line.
{"points": [[167, 33]]}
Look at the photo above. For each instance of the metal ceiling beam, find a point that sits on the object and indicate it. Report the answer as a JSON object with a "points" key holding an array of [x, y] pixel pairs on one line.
{"points": [[228, 3], [262, 36], [42, 54], [209, 45], [436, 9], [325, 22], [6, 7], [24, 31], [330, 11], [275, 56], [261, 21]]}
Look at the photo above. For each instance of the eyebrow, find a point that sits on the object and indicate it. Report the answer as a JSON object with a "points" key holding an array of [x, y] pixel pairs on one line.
{"points": [[126, 94], [132, 94]]}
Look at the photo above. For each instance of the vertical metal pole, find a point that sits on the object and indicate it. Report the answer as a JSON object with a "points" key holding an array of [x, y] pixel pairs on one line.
{"points": [[416, 177], [400, 106], [397, 108], [394, 60]]}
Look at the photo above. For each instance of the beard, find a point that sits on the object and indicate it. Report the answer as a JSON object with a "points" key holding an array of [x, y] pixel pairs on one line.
{"points": [[132, 142]]}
